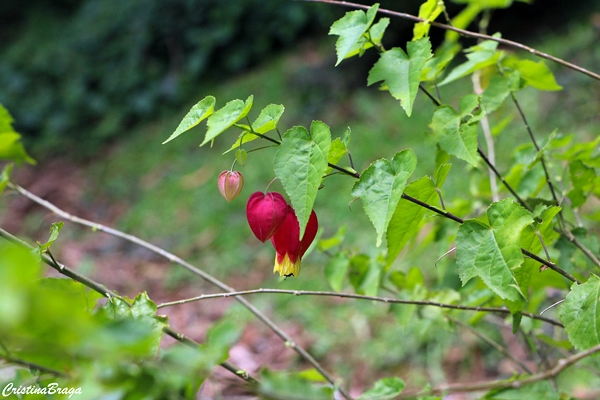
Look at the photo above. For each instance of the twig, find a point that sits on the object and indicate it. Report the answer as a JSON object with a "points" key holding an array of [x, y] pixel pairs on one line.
{"points": [[560, 366], [466, 33], [111, 294], [356, 296], [491, 342], [204, 275]]}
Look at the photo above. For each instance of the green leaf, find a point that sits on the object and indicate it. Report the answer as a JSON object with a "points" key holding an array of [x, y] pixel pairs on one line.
{"points": [[350, 29], [580, 314], [401, 72], [443, 55], [493, 251], [268, 118], [384, 389], [326, 244], [279, 385], [429, 10], [537, 75], [336, 269], [455, 132], [225, 117], [300, 164], [582, 179], [530, 241], [54, 231], [5, 176], [537, 390], [495, 94], [12, 150], [480, 56], [380, 187], [203, 109], [407, 216], [244, 137], [143, 307], [336, 152]]}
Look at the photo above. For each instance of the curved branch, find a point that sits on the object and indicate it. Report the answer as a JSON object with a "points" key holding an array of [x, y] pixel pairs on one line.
{"points": [[359, 297], [466, 33], [177, 260]]}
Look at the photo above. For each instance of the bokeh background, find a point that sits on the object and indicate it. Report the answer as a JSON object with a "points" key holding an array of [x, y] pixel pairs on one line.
{"points": [[96, 86]]}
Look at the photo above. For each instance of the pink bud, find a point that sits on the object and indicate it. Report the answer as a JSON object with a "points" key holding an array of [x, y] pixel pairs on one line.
{"points": [[266, 213], [230, 184]]}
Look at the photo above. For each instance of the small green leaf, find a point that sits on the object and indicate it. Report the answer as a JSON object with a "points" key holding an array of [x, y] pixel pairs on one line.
{"points": [[537, 390], [143, 307], [300, 164], [350, 29], [203, 109], [537, 75], [401, 72], [442, 56], [580, 314], [480, 56], [5, 176], [12, 149], [429, 10], [455, 136], [380, 187], [54, 231], [336, 269], [493, 251], [268, 118], [384, 389], [225, 117], [336, 152]]}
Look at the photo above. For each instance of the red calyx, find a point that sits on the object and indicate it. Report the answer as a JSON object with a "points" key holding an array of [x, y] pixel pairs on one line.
{"points": [[266, 213]]}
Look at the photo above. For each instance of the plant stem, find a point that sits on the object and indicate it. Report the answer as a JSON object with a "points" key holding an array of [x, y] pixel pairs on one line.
{"points": [[356, 296]]}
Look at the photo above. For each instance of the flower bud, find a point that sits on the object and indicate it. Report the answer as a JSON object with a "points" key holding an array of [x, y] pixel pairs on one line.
{"points": [[288, 245], [230, 184], [266, 213]]}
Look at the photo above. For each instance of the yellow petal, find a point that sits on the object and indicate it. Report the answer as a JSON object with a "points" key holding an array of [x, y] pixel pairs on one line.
{"points": [[287, 267]]}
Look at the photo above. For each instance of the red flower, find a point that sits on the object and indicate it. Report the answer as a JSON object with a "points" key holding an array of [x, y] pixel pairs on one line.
{"points": [[288, 245], [266, 213], [230, 184]]}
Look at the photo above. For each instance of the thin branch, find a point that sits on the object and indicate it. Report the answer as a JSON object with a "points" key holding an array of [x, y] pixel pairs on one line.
{"points": [[560, 366], [356, 296], [111, 294], [177, 260], [466, 33], [489, 341]]}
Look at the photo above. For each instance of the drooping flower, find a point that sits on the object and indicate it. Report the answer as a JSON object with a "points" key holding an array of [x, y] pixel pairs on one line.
{"points": [[230, 184], [288, 245], [266, 213]]}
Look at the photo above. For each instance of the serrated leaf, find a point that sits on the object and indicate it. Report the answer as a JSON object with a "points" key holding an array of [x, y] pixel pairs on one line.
{"points": [[244, 137], [429, 10], [143, 307], [537, 75], [336, 269], [384, 389], [480, 56], [268, 118], [401, 72], [580, 313], [226, 117], [203, 109], [443, 55], [375, 32], [493, 251], [300, 164], [12, 149], [350, 29], [454, 136], [380, 187]]}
